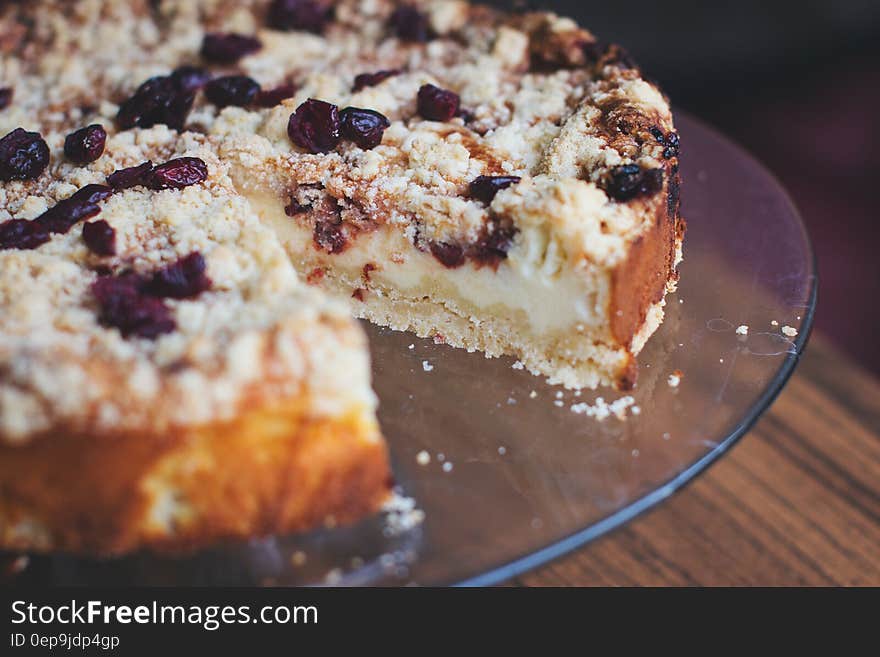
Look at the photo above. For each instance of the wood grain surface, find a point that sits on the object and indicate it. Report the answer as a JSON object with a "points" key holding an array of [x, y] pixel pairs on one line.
{"points": [[796, 502]]}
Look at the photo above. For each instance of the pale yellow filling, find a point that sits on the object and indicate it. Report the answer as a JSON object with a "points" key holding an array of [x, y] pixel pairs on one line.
{"points": [[546, 302]]}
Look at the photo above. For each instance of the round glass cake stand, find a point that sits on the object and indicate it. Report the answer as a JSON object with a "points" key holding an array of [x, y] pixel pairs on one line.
{"points": [[516, 477]]}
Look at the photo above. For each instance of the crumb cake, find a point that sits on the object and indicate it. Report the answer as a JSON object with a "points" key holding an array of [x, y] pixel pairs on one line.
{"points": [[195, 198]]}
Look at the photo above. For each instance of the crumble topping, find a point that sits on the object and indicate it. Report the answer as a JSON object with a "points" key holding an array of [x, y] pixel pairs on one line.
{"points": [[478, 134]]}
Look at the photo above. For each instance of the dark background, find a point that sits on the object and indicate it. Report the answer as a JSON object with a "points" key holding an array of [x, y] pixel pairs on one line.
{"points": [[798, 84]]}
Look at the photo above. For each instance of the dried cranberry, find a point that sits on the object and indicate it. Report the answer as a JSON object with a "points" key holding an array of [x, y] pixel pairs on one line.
{"points": [[295, 207], [315, 126], [86, 144], [93, 193], [190, 78], [22, 234], [183, 279], [409, 24], [61, 217], [363, 126], [329, 235], [673, 144], [273, 97], [449, 255], [670, 142], [100, 237], [436, 104], [493, 247], [228, 48], [178, 173], [628, 181], [484, 188], [5, 97], [83, 204], [124, 306], [372, 79], [237, 90], [130, 177], [23, 155], [305, 15], [158, 100]]}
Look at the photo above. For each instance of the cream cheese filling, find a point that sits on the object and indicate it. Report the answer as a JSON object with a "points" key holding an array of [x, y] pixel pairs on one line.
{"points": [[548, 301]]}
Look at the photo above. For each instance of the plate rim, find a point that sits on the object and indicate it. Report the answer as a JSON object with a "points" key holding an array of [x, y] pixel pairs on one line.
{"points": [[571, 542]]}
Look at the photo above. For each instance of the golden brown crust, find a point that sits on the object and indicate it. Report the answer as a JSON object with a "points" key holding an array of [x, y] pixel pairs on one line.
{"points": [[641, 279], [272, 470]]}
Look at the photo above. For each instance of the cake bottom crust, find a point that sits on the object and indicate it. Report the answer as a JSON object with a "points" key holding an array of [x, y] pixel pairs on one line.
{"points": [[270, 471], [569, 359]]}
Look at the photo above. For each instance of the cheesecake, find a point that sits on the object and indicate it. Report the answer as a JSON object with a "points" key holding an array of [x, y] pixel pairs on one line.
{"points": [[197, 198]]}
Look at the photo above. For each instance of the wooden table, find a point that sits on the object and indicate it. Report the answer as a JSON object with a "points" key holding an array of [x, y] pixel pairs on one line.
{"points": [[796, 502]]}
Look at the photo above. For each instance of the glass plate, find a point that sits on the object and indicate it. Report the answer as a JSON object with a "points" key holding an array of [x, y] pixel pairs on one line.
{"points": [[517, 478]]}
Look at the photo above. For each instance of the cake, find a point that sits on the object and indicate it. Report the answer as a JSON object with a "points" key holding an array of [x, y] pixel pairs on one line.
{"points": [[196, 198]]}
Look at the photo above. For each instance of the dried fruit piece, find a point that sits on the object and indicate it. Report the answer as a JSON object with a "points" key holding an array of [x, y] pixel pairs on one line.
{"points": [[93, 193], [273, 97], [670, 142], [81, 205], [409, 24], [122, 305], [228, 48], [449, 255], [130, 177], [21, 234], [364, 127], [295, 207], [23, 155], [436, 104], [372, 79], [484, 188], [493, 247], [190, 78], [86, 144], [305, 15], [183, 279], [673, 144], [238, 90], [60, 218], [100, 237], [6, 94], [628, 181], [329, 234], [315, 126], [160, 99], [178, 173]]}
